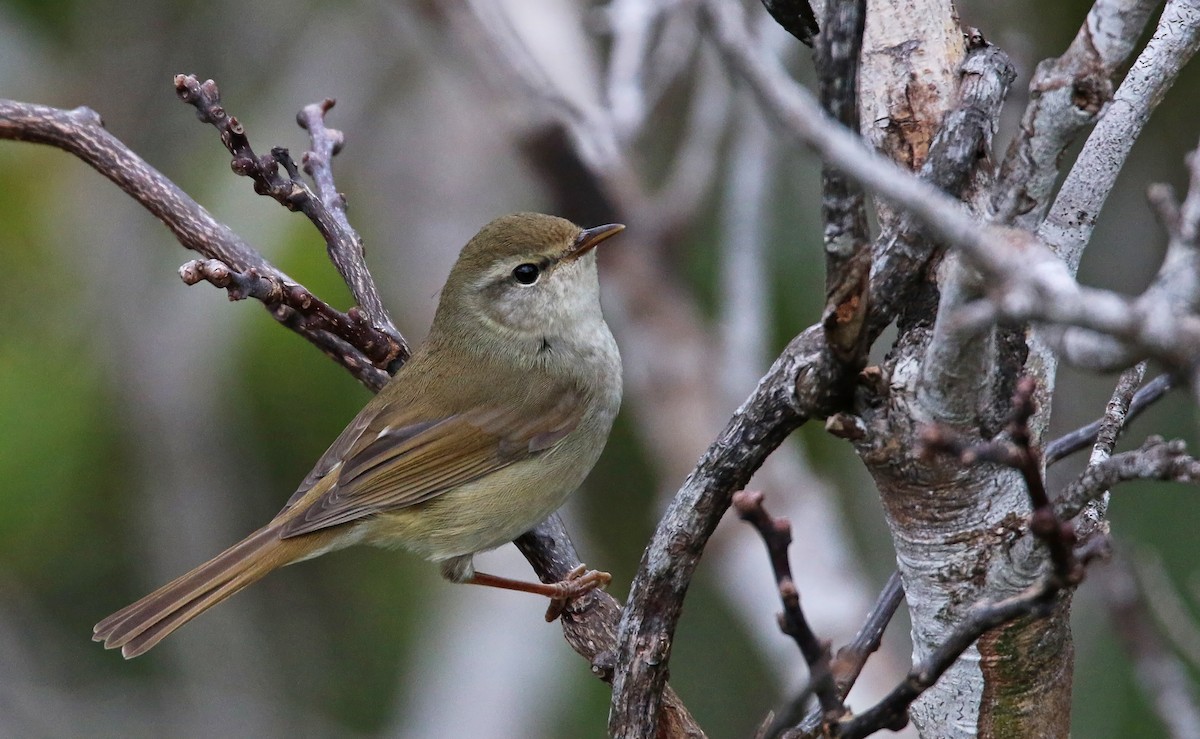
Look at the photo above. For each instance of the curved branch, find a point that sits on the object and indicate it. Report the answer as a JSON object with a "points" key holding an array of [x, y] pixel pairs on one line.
{"points": [[794, 389], [81, 132]]}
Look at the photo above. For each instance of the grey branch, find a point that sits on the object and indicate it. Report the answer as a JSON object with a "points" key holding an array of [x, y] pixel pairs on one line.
{"points": [[1073, 441], [1068, 226], [81, 132], [1156, 459], [1066, 95]]}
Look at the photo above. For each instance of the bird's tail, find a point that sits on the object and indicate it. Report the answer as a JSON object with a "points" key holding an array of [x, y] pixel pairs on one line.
{"points": [[138, 627]]}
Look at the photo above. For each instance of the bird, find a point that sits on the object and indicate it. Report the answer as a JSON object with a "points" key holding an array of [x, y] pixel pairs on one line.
{"points": [[483, 433]]}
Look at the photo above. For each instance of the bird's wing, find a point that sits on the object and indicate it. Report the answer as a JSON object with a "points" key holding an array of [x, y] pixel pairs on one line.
{"points": [[392, 460]]}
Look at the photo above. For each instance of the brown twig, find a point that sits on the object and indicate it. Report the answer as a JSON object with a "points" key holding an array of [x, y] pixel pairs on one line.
{"points": [[327, 212], [776, 534], [81, 132], [850, 659], [315, 314], [848, 664], [347, 252]]}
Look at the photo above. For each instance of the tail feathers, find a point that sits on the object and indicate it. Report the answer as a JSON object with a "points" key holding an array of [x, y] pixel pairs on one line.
{"points": [[140, 626]]}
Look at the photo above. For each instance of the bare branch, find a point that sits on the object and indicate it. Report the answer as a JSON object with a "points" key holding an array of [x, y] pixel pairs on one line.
{"points": [[1073, 441], [843, 207], [1028, 281], [776, 534], [1018, 451], [950, 390], [1068, 226], [892, 711], [280, 296], [343, 243], [81, 132], [1175, 289], [848, 663], [795, 388], [1091, 519], [1066, 95], [1156, 459], [589, 623], [347, 251]]}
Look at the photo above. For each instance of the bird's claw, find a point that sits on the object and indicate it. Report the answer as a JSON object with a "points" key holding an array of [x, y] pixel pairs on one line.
{"points": [[579, 581]]}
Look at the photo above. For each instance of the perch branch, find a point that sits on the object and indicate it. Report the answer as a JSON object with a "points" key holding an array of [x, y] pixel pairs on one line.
{"points": [[81, 132]]}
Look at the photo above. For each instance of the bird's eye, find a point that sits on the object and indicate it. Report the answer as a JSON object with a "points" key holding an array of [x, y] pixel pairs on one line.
{"points": [[526, 274]]}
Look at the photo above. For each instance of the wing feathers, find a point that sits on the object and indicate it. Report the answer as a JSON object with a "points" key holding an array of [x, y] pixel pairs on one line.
{"points": [[408, 461]]}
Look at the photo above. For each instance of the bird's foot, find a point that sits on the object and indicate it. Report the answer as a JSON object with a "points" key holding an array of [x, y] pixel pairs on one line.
{"points": [[579, 581]]}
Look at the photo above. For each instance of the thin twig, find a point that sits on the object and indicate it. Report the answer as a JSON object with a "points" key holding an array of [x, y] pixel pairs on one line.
{"points": [[1156, 459], [776, 534], [1085, 436], [343, 243], [848, 663], [1091, 520], [277, 294], [347, 252], [81, 132]]}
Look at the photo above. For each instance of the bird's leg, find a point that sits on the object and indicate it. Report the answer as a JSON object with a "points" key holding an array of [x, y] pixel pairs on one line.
{"points": [[579, 581]]}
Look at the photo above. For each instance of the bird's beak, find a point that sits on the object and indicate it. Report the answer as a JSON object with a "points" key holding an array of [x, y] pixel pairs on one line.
{"points": [[588, 238]]}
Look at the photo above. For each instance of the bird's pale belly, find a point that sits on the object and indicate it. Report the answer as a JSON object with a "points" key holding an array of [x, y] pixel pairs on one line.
{"points": [[483, 514]]}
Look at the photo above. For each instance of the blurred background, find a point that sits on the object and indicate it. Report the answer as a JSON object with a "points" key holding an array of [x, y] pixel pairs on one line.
{"points": [[146, 425]]}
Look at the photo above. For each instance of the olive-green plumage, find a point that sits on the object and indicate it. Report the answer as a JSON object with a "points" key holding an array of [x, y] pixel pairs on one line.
{"points": [[494, 420]]}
